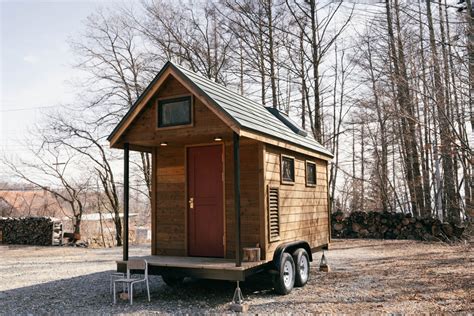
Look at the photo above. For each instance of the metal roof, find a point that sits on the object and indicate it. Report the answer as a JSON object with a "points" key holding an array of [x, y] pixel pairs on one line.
{"points": [[248, 114]]}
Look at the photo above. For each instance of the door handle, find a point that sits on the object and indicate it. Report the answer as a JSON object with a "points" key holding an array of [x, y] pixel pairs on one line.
{"points": [[191, 203]]}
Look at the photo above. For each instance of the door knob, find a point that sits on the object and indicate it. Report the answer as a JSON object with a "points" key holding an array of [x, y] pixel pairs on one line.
{"points": [[191, 203]]}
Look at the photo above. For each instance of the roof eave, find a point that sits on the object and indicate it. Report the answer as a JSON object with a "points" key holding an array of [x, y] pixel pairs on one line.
{"points": [[175, 71], [276, 141], [138, 101]]}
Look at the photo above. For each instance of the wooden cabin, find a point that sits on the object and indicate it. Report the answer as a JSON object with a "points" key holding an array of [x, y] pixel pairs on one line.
{"points": [[227, 174]]}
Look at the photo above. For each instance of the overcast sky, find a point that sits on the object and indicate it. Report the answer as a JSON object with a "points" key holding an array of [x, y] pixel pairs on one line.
{"points": [[36, 62]]}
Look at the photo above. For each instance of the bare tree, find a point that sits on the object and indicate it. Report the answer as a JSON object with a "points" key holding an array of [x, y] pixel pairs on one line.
{"points": [[87, 143], [52, 164], [316, 32], [109, 52]]}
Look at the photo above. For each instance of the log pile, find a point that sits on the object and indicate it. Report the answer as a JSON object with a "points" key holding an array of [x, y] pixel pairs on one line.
{"points": [[386, 225], [40, 231]]}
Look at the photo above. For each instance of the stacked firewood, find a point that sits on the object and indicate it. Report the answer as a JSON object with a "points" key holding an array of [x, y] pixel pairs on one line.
{"points": [[41, 231], [386, 225]]}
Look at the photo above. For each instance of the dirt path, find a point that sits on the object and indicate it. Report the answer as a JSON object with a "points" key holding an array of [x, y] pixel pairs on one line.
{"points": [[367, 276]]}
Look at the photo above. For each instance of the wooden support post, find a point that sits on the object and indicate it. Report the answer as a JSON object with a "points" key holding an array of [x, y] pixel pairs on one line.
{"points": [[153, 200], [329, 201], [236, 142], [126, 162]]}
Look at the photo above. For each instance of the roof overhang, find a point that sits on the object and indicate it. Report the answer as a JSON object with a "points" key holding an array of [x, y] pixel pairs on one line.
{"points": [[168, 70], [287, 145]]}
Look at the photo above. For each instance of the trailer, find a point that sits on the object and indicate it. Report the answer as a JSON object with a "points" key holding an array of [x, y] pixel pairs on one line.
{"points": [[229, 178]]}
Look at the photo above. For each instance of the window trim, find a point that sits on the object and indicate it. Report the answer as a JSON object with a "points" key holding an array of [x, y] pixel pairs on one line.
{"points": [[281, 169], [160, 101], [310, 162]]}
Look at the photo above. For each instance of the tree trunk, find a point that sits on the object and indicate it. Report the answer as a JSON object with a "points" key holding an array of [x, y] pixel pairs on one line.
{"points": [[449, 185], [427, 144], [382, 167], [412, 163], [315, 62], [271, 53]]}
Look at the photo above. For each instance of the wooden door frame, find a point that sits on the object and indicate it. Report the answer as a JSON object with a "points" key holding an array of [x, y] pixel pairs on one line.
{"points": [[186, 193]]}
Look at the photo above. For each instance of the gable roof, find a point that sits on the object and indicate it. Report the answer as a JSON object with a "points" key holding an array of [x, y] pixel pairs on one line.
{"points": [[244, 113]]}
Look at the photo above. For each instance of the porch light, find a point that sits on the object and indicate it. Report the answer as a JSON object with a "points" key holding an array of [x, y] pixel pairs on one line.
{"points": [[163, 144], [217, 139]]}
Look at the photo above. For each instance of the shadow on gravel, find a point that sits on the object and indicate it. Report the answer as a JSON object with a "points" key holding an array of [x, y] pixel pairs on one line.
{"points": [[91, 294]]}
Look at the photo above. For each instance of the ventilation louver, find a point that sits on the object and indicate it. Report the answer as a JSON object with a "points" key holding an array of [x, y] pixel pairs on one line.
{"points": [[273, 213]]}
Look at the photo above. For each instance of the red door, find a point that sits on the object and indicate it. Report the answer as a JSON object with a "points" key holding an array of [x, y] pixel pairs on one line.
{"points": [[205, 201]]}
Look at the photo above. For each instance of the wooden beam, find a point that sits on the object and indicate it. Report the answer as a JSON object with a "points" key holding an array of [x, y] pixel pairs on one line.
{"points": [[126, 163], [236, 143], [154, 189], [262, 201]]}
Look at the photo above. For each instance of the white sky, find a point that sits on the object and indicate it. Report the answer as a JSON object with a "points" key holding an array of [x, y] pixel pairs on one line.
{"points": [[36, 63]]}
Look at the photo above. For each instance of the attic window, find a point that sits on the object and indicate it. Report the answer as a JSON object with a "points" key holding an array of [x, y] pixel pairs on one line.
{"points": [[287, 169], [310, 174], [174, 112], [273, 214]]}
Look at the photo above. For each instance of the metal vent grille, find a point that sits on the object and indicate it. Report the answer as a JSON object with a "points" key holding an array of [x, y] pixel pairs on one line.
{"points": [[273, 213]]}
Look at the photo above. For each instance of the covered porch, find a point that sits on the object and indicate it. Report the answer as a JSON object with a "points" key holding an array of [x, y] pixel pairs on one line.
{"points": [[164, 261]]}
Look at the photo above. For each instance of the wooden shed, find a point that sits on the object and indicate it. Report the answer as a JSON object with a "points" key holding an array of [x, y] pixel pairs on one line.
{"points": [[227, 174]]}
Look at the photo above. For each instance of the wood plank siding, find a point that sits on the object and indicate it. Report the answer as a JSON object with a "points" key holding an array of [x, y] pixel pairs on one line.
{"points": [[303, 209]]}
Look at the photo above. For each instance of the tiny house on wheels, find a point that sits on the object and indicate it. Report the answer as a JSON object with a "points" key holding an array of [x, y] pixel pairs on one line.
{"points": [[236, 188]]}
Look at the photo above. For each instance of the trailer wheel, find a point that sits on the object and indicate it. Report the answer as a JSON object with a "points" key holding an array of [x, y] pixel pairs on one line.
{"points": [[284, 281], [301, 258], [172, 281]]}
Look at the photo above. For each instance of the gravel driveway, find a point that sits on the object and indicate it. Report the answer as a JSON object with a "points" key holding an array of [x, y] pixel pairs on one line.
{"points": [[368, 276]]}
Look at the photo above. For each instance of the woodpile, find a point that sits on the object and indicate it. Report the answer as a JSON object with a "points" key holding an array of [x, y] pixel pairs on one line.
{"points": [[386, 225], [40, 231]]}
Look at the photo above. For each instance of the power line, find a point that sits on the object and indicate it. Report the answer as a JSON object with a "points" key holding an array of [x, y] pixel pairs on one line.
{"points": [[28, 109]]}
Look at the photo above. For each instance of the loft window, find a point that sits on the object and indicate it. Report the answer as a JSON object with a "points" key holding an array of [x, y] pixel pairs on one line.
{"points": [[287, 169], [174, 112], [310, 173]]}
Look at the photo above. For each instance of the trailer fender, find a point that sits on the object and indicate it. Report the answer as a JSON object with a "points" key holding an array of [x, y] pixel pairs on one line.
{"points": [[290, 247]]}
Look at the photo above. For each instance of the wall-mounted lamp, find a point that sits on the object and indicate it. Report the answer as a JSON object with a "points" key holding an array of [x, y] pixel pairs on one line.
{"points": [[217, 139], [163, 144]]}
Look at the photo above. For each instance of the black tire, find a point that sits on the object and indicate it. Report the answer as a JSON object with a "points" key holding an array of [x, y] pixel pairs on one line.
{"points": [[302, 267], [284, 281], [172, 281]]}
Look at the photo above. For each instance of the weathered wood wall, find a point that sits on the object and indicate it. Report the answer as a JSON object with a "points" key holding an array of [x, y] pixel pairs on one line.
{"points": [[171, 203], [303, 209]]}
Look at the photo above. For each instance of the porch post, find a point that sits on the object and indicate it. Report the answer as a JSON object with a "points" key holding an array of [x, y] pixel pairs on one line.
{"points": [[236, 142], [126, 162]]}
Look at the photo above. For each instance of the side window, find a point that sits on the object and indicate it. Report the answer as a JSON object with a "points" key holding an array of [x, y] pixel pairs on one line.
{"points": [[287, 169], [310, 173]]}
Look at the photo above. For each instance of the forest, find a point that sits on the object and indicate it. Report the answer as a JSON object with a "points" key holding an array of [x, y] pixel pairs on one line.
{"points": [[386, 86]]}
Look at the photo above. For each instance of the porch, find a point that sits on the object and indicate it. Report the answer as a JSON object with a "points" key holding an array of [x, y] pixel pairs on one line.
{"points": [[199, 267]]}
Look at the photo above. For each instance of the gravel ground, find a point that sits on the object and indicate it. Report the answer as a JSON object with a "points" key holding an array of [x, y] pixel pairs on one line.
{"points": [[368, 276]]}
